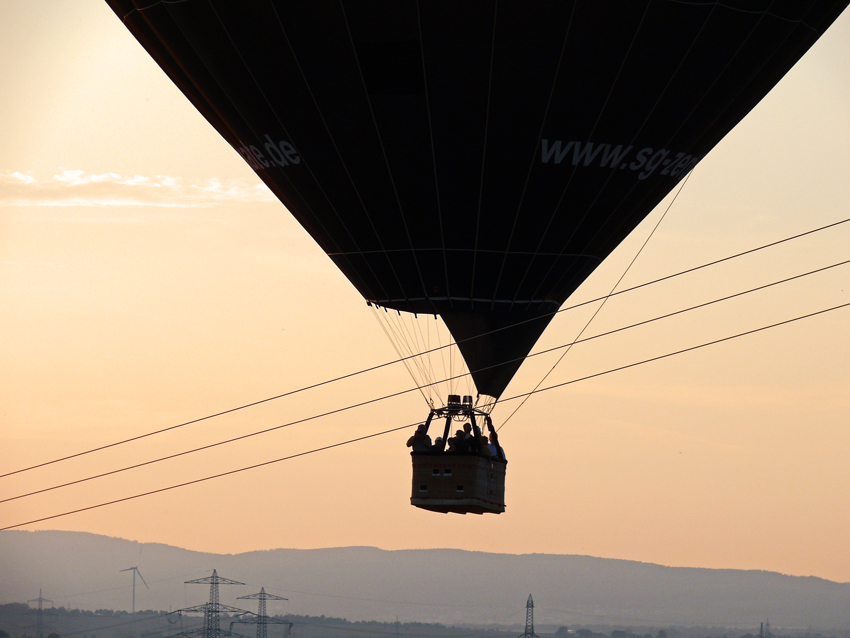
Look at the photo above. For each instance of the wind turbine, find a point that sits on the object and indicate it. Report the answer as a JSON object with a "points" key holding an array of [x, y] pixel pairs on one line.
{"points": [[135, 570]]}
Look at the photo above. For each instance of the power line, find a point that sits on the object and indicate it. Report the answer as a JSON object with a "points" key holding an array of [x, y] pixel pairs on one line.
{"points": [[666, 316], [198, 420], [688, 309], [111, 589], [362, 630], [684, 350], [393, 602], [208, 478], [409, 390], [134, 621], [409, 425], [389, 363], [307, 623]]}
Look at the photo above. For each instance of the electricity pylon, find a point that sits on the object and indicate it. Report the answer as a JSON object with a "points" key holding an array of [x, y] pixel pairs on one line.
{"points": [[135, 571], [262, 618], [211, 610], [529, 620], [39, 613]]}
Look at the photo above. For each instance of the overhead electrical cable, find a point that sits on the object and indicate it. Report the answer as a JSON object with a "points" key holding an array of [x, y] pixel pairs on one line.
{"points": [[285, 590], [393, 632], [566, 346], [403, 359], [393, 395], [133, 621], [410, 425], [214, 476], [181, 577]]}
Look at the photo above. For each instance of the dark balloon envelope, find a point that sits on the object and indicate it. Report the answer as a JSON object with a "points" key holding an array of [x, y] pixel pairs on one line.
{"points": [[474, 159]]}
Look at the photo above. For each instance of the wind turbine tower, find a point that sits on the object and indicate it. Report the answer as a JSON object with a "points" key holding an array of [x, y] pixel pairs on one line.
{"points": [[135, 571], [529, 620]]}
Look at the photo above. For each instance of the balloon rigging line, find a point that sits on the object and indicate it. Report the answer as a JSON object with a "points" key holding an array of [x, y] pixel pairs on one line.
{"points": [[589, 136], [484, 155], [740, 10], [450, 352], [532, 163], [443, 350], [375, 400], [433, 156], [634, 138], [341, 159], [307, 165], [646, 119], [333, 141], [421, 344], [604, 301], [396, 343], [417, 343], [593, 129], [410, 425], [389, 363], [695, 107], [151, 6], [384, 153]]}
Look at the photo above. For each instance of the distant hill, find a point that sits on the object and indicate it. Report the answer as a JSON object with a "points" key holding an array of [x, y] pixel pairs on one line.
{"points": [[80, 570]]}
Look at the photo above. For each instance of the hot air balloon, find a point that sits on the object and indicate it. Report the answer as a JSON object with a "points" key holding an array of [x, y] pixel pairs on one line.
{"points": [[474, 160]]}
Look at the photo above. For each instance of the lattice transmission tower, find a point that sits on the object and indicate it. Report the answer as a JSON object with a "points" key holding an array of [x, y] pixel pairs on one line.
{"points": [[39, 613], [211, 610], [529, 620], [262, 619]]}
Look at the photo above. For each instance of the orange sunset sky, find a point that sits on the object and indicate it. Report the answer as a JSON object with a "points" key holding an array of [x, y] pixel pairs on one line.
{"points": [[148, 278]]}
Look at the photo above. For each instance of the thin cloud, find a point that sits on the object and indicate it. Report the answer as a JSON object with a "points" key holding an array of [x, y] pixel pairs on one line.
{"points": [[79, 188]]}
